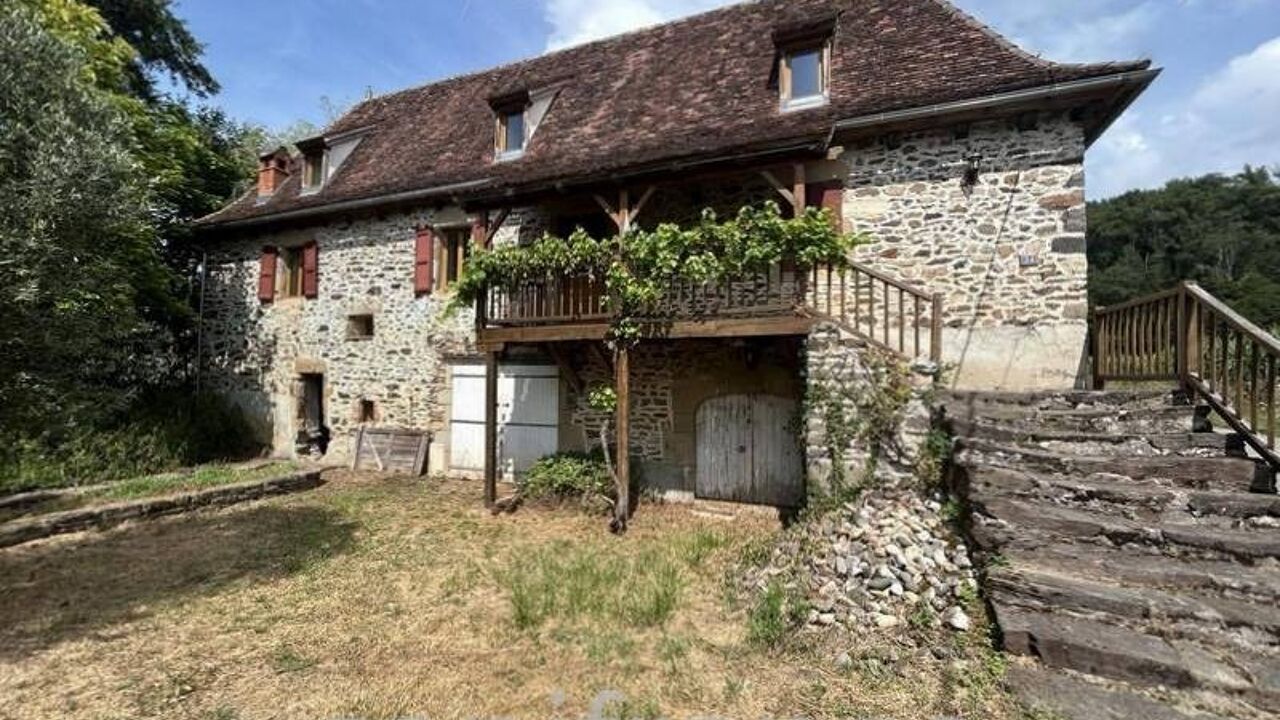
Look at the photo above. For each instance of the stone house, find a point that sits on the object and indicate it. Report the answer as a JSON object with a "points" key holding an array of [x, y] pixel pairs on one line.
{"points": [[956, 154]]}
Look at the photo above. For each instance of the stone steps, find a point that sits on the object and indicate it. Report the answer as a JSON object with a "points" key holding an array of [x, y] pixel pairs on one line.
{"points": [[1208, 473], [1107, 650], [1073, 697], [1103, 444], [1155, 499], [1124, 552]]}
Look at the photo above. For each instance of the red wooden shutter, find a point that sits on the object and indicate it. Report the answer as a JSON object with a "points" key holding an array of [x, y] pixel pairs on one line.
{"points": [[267, 275], [424, 252], [311, 270], [830, 196]]}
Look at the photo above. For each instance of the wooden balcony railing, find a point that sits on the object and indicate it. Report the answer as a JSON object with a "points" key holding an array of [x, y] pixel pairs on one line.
{"points": [[1188, 335], [885, 311]]}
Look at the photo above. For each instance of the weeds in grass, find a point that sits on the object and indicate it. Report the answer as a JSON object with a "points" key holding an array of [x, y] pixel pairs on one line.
{"points": [[733, 687], [286, 660], [767, 622], [694, 548], [923, 617], [567, 583], [628, 709], [672, 651]]}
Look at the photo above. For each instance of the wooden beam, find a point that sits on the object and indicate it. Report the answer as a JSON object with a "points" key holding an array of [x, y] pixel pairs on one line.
{"points": [[608, 210], [622, 384], [731, 327], [624, 210], [490, 429], [495, 226], [566, 368], [798, 189], [783, 190]]}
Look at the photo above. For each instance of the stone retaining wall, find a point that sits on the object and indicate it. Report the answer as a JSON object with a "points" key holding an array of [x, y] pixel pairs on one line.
{"points": [[105, 516]]}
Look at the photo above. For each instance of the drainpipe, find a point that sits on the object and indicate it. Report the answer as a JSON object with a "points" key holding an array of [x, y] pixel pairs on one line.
{"points": [[204, 276]]}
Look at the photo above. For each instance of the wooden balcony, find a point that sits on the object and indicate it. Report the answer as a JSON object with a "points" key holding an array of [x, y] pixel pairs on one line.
{"points": [[782, 301]]}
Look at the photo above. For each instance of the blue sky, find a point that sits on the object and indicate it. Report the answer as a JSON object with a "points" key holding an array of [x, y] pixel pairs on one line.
{"points": [[1216, 107]]}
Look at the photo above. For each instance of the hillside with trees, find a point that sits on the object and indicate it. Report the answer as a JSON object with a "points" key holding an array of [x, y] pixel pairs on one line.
{"points": [[1220, 231]]}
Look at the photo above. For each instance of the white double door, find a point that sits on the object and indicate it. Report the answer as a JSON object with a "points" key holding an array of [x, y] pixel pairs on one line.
{"points": [[528, 417]]}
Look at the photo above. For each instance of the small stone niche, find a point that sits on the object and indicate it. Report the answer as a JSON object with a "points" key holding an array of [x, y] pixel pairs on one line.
{"points": [[366, 411], [359, 327]]}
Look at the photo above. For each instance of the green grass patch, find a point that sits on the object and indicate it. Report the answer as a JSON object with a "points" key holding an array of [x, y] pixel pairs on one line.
{"points": [[564, 582], [202, 478]]}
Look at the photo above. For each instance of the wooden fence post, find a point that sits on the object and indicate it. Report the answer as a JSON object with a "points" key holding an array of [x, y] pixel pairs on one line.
{"points": [[490, 428]]}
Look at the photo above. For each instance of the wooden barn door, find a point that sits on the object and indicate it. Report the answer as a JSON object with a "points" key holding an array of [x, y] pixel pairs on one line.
{"points": [[748, 452]]}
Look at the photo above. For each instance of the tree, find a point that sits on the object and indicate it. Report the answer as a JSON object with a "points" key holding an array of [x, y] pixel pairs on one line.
{"points": [[74, 242], [162, 44], [1220, 231]]}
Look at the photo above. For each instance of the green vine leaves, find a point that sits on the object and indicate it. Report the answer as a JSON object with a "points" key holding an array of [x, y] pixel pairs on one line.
{"points": [[636, 267]]}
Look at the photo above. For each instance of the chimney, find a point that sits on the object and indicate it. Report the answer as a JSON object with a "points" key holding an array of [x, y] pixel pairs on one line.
{"points": [[273, 170]]}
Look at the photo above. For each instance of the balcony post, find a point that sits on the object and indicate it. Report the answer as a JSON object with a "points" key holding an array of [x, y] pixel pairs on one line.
{"points": [[622, 384], [490, 428]]}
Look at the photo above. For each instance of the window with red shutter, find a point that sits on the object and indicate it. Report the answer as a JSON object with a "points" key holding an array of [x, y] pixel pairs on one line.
{"points": [[311, 270], [423, 255], [267, 275]]}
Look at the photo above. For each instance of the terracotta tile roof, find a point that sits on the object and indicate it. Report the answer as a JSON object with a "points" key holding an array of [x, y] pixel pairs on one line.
{"points": [[693, 88]]}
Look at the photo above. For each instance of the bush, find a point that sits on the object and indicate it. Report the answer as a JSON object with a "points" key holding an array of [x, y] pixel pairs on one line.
{"points": [[568, 475], [162, 431]]}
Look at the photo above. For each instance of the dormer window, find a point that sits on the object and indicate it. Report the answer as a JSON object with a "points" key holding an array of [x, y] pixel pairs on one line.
{"points": [[511, 133], [315, 156], [313, 171], [804, 76]]}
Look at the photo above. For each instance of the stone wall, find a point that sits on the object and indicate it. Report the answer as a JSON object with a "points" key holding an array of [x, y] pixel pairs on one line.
{"points": [[1007, 253], [842, 370], [255, 352]]}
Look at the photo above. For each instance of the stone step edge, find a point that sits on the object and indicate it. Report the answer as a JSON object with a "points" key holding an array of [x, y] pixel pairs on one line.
{"points": [[1073, 696], [1123, 492], [102, 517], [1035, 587], [1071, 523], [1115, 652]]}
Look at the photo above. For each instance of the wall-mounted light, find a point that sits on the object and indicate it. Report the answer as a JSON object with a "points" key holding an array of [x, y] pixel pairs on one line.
{"points": [[972, 170]]}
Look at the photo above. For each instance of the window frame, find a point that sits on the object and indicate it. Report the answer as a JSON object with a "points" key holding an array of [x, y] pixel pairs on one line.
{"points": [[291, 269], [785, 79], [452, 250], [501, 149], [314, 163]]}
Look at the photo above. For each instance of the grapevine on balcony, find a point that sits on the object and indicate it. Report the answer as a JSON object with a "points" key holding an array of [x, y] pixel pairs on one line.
{"points": [[635, 267]]}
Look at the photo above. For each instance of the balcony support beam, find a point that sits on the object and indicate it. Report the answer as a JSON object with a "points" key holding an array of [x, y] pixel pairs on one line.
{"points": [[490, 428], [622, 384]]}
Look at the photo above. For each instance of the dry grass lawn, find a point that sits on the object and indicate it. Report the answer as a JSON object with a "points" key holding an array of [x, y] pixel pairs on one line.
{"points": [[382, 597]]}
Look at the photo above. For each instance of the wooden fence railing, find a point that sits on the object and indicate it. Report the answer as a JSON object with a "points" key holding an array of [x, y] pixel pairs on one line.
{"points": [[886, 311], [1189, 336]]}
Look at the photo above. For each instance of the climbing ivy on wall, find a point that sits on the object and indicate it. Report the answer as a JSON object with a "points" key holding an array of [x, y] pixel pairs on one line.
{"points": [[635, 267]]}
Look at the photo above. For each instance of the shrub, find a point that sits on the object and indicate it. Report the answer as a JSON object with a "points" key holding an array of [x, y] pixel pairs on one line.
{"points": [[568, 475], [162, 431]]}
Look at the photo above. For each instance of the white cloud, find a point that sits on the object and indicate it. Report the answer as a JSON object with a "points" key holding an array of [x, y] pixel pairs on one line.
{"points": [[577, 21], [1228, 122], [1079, 31]]}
